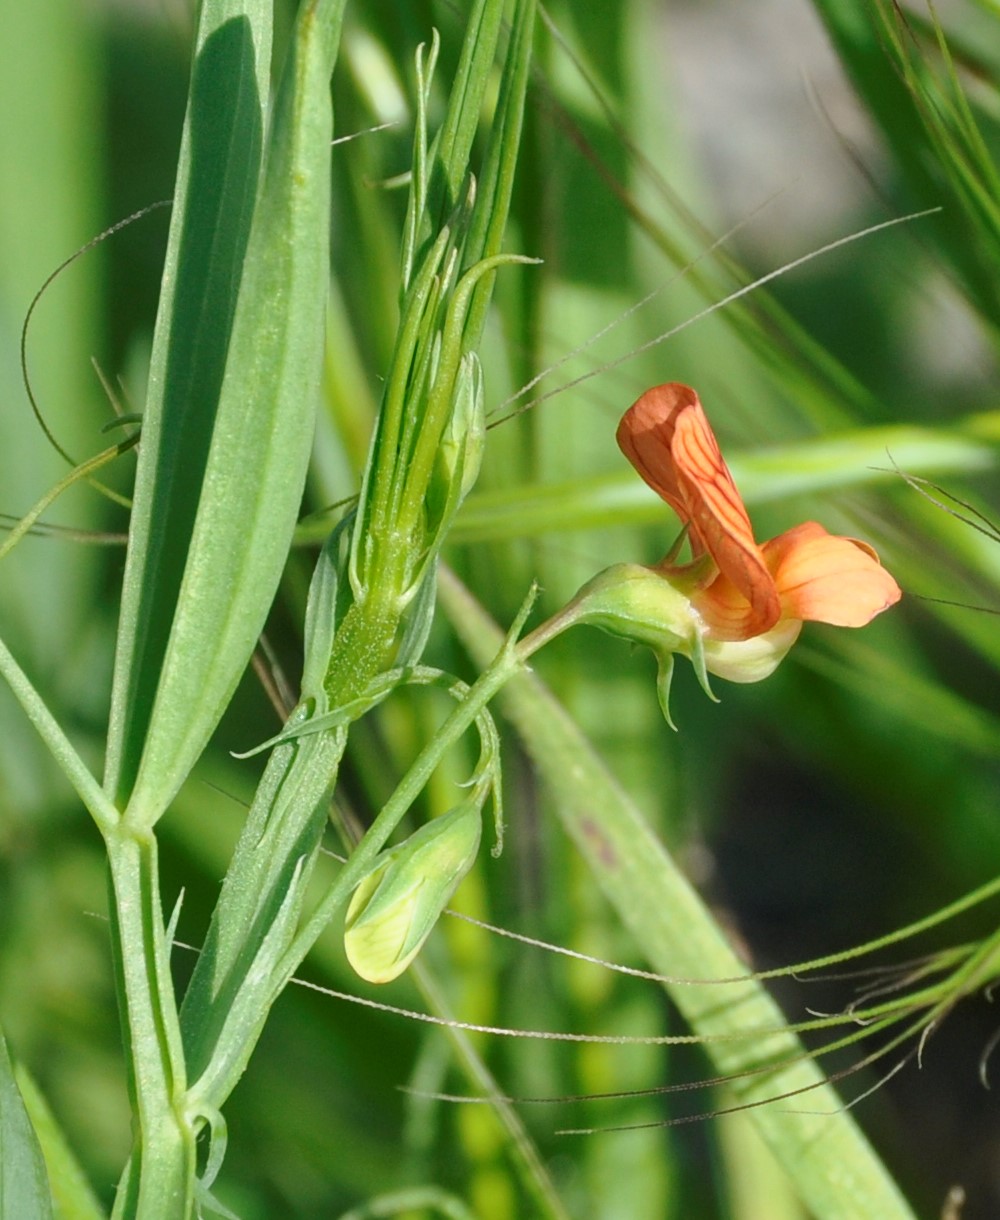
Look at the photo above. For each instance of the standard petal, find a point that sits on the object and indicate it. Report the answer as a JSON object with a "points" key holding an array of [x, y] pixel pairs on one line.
{"points": [[719, 520], [824, 578], [646, 433], [668, 439]]}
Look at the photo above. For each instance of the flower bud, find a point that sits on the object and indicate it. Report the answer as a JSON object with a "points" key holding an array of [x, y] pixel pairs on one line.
{"points": [[460, 454], [394, 909]]}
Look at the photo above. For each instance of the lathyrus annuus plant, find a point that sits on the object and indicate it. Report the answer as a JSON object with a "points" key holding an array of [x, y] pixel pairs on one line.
{"points": [[225, 444], [226, 439]]}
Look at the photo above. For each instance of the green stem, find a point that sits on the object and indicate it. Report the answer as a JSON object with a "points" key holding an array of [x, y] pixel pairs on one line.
{"points": [[159, 1179], [980, 971]]}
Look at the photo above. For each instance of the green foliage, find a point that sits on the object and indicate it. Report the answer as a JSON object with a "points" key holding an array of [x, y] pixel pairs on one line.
{"points": [[24, 1188], [72, 1196], [188, 636], [464, 401], [937, 138]]}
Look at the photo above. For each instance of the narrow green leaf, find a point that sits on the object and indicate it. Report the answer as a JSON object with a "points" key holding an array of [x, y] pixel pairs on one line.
{"points": [[263, 430], [217, 180], [321, 614], [71, 1192], [497, 180], [24, 1187], [450, 152], [230, 992]]}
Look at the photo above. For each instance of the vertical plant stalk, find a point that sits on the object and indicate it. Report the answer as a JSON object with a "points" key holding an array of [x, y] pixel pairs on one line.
{"points": [[160, 1176]]}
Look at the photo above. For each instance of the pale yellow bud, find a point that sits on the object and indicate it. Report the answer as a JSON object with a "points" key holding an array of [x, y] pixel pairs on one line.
{"points": [[394, 909]]}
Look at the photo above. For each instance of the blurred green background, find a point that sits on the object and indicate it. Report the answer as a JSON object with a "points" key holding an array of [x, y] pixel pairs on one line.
{"points": [[852, 792]]}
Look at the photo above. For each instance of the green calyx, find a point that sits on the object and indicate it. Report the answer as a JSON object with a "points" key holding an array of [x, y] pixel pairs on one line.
{"points": [[655, 607]]}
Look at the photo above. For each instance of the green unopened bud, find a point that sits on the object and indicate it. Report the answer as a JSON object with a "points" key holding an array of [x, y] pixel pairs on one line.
{"points": [[394, 909], [460, 454]]}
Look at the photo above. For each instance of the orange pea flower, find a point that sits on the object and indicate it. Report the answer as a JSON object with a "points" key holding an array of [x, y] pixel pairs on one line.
{"points": [[744, 590], [738, 606]]}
